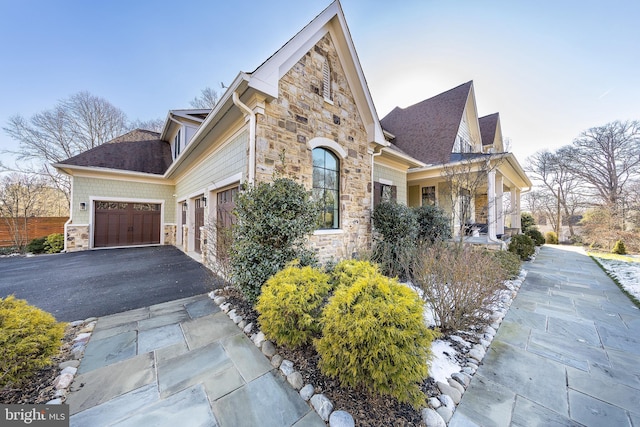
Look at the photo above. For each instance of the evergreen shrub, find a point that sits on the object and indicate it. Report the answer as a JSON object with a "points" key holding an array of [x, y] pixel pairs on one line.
{"points": [[433, 224], [522, 245], [290, 305], [374, 337], [396, 229], [551, 237], [273, 220], [54, 243], [526, 221], [346, 272], [536, 236], [36, 246], [509, 263], [28, 338], [619, 248]]}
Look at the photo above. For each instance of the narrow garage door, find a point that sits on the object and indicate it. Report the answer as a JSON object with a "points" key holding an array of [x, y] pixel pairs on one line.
{"points": [[126, 224]]}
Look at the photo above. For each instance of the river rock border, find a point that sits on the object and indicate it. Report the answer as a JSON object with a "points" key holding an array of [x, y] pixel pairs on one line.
{"points": [[69, 367]]}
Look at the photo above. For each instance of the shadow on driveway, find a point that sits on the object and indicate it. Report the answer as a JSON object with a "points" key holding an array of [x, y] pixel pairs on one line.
{"points": [[79, 285]]}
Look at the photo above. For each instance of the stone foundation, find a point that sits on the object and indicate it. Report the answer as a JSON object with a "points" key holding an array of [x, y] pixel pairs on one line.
{"points": [[77, 237]]}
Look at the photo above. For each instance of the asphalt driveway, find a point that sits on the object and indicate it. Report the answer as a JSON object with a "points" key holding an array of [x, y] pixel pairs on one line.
{"points": [[79, 285]]}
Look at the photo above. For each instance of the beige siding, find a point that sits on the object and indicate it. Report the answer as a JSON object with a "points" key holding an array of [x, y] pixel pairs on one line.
{"points": [[85, 188], [398, 178], [228, 160]]}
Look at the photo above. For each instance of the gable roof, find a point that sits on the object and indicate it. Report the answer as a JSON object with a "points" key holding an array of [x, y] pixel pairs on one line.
{"points": [[139, 151], [488, 128], [427, 130], [265, 78]]}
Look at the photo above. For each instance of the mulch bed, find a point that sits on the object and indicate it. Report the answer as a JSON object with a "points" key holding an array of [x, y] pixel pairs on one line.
{"points": [[367, 410], [39, 388]]}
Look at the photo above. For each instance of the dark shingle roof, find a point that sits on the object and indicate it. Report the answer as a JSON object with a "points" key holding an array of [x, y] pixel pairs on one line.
{"points": [[138, 151], [488, 127], [428, 129]]}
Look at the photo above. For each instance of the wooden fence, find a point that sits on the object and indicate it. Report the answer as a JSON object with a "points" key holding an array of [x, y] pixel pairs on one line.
{"points": [[36, 227]]}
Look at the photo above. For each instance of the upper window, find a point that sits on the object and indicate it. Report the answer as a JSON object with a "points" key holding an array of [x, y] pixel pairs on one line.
{"points": [[326, 187], [176, 144]]}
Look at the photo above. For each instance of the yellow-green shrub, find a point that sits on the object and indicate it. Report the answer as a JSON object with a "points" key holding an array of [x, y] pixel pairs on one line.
{"points": [[28, 338], [551, 237], [346, 272], [290, 304], [374, 337]]}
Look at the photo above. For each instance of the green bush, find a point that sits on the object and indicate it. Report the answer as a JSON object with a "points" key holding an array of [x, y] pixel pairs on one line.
{"points": [[433, 223], [54, 243], [522, 245], [273, 220], [526, 221], [619, 248], [28, 339], [374, 336], [536, 236], [551, 237], [509, 263], [394, 244], [290, 305], [36, 246], [346, 272]]}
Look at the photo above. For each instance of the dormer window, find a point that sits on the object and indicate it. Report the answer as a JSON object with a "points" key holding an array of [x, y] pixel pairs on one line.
{"points": [[326, 81]]}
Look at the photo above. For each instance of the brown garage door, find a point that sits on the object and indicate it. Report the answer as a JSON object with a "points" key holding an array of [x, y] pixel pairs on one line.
{"points": [[126, 224]]}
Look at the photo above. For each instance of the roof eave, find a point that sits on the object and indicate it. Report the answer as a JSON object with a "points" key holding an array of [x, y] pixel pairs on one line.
{"points": [[70, 169]]}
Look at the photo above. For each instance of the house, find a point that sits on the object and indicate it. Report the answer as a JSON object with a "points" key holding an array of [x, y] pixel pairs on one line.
{"points": [[305, 112], [466, 171]]}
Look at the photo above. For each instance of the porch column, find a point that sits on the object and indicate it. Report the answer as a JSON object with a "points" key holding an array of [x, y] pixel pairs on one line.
{"points": [[491, 205], [499, 205], [515, 206]]}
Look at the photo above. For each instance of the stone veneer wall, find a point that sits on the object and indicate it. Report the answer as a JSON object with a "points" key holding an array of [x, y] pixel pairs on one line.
{"points": [[298, 115], [77, 237], [170, 234]]}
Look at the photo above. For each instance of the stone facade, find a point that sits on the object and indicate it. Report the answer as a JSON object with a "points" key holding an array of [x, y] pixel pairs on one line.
{"points": [[170, 234], [300, 114], [77, 237]]}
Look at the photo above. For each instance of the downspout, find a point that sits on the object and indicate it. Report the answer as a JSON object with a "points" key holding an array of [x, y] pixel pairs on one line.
{"points": [[373, 155], [252, 135]]}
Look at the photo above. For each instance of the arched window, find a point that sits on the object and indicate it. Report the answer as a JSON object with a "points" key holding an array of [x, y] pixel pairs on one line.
{"points": [[326, 187]]}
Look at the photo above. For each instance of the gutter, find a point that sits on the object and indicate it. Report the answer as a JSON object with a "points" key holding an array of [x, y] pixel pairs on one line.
{"points": [[252, 135]]}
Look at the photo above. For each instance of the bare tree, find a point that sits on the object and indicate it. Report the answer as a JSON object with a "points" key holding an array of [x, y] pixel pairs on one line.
{"points": [[552, 172], [154, 125], [79, 123], [207, 99], [20, 199], [607, 158]]}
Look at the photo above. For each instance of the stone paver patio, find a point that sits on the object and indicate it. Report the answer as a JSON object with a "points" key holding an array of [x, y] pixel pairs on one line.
{"points": [[180, 363]]}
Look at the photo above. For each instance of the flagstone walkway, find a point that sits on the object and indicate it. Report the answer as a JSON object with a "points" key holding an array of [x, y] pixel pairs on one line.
{"points": [[566, 354]]}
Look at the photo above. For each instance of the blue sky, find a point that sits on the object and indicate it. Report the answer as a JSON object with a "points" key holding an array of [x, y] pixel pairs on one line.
{"points": [[552, 68]]}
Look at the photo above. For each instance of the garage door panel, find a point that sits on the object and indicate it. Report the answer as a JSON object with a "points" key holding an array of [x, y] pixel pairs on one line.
{"points": [[126, 224]]}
